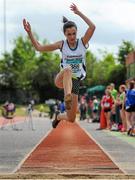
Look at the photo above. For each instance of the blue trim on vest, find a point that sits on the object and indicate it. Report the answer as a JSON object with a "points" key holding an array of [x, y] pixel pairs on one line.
{"points": [[73, 49]]}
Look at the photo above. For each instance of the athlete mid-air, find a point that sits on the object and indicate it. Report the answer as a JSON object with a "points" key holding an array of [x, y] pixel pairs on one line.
{"points": [[73, 67]]}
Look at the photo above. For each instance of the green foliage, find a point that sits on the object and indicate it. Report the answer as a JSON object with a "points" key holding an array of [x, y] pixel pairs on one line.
{"points": [[103, 69], [6, 71], [28, 70], [24, 58], [117, 75], [43, 77], [33, 73], [124, 49], [91, 63]]}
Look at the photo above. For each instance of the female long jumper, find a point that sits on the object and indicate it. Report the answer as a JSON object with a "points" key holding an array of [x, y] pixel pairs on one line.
{"points": [[73, 68]]}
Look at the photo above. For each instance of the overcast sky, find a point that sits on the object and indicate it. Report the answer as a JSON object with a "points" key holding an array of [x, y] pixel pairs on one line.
{"points": [[114, 20]]}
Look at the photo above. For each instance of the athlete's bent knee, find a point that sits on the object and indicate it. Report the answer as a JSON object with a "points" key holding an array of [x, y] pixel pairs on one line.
{"points": [[58, 83], [67, 71]]}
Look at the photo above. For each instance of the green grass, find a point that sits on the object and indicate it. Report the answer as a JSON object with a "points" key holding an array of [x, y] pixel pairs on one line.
{"points": [[21, 109]]}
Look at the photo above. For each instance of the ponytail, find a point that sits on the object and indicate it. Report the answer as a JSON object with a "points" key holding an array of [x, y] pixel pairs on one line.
{"points": [[64, 20], [67, 24]]}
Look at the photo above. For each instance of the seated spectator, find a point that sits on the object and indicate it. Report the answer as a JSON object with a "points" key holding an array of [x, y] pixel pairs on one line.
{"points": [[8, 110]]}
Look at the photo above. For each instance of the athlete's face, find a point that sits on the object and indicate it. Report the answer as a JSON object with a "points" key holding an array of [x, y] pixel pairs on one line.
{"points": [[107, 92], [70, 34]]}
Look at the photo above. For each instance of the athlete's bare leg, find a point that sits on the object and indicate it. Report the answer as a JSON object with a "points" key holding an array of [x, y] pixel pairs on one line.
{"points": [[63, 80], [70, 115]]}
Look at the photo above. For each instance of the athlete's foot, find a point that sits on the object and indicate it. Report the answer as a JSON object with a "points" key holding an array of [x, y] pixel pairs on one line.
{"points": [[68, 101], [55, 122]]}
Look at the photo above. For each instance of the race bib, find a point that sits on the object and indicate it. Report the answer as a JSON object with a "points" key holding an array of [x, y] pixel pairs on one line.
{"points": [[106, 105], [75, 64]]}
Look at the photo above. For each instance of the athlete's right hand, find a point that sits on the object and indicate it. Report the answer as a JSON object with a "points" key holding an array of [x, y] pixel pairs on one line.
{"points": [[27, 26]]}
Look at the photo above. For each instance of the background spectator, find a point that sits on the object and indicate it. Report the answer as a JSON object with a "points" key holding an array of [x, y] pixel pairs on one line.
{"points": [[130, 106]]}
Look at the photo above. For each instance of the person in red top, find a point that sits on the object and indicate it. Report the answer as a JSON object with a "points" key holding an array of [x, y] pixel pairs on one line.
{"points": [[106, 104]]}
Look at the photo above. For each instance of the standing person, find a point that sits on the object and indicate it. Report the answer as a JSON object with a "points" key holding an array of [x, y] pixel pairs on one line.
{"points": [[122, 90], [73, 68], [83, 110], [130, 106], [62, 106], [95, 109], [89, 110], [115, 107], [113, 91], [41, 110], [106, 104], [52, 110]]}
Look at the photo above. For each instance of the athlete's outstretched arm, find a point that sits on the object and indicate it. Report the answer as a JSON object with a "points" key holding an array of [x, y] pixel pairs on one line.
{"points": [[91, 27], [39, 47]]}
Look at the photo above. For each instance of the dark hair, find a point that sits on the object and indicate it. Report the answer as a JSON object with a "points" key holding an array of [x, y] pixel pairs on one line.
{"points": [[122, 87], [131, 84], [94, 97], [68, 24]]}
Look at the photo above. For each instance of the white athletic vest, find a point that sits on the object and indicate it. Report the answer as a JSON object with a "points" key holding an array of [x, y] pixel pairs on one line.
{"points": [[75, 58]]}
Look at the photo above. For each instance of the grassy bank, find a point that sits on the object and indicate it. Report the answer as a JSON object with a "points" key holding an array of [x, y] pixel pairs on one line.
{"points": [[21, 109]]}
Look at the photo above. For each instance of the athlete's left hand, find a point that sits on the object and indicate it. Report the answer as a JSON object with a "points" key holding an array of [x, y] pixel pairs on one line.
{"points": [[74, 8]]}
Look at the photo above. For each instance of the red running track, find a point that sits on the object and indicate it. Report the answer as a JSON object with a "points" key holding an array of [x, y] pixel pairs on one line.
{"points": [[68, 149]]}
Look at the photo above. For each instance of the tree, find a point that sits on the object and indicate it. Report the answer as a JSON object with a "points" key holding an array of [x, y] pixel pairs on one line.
{"points": [[91, 63], [124, 49], [104, 68], [43, 77], [6, 72], [116, 75], [33, 73], [24, 62]]}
